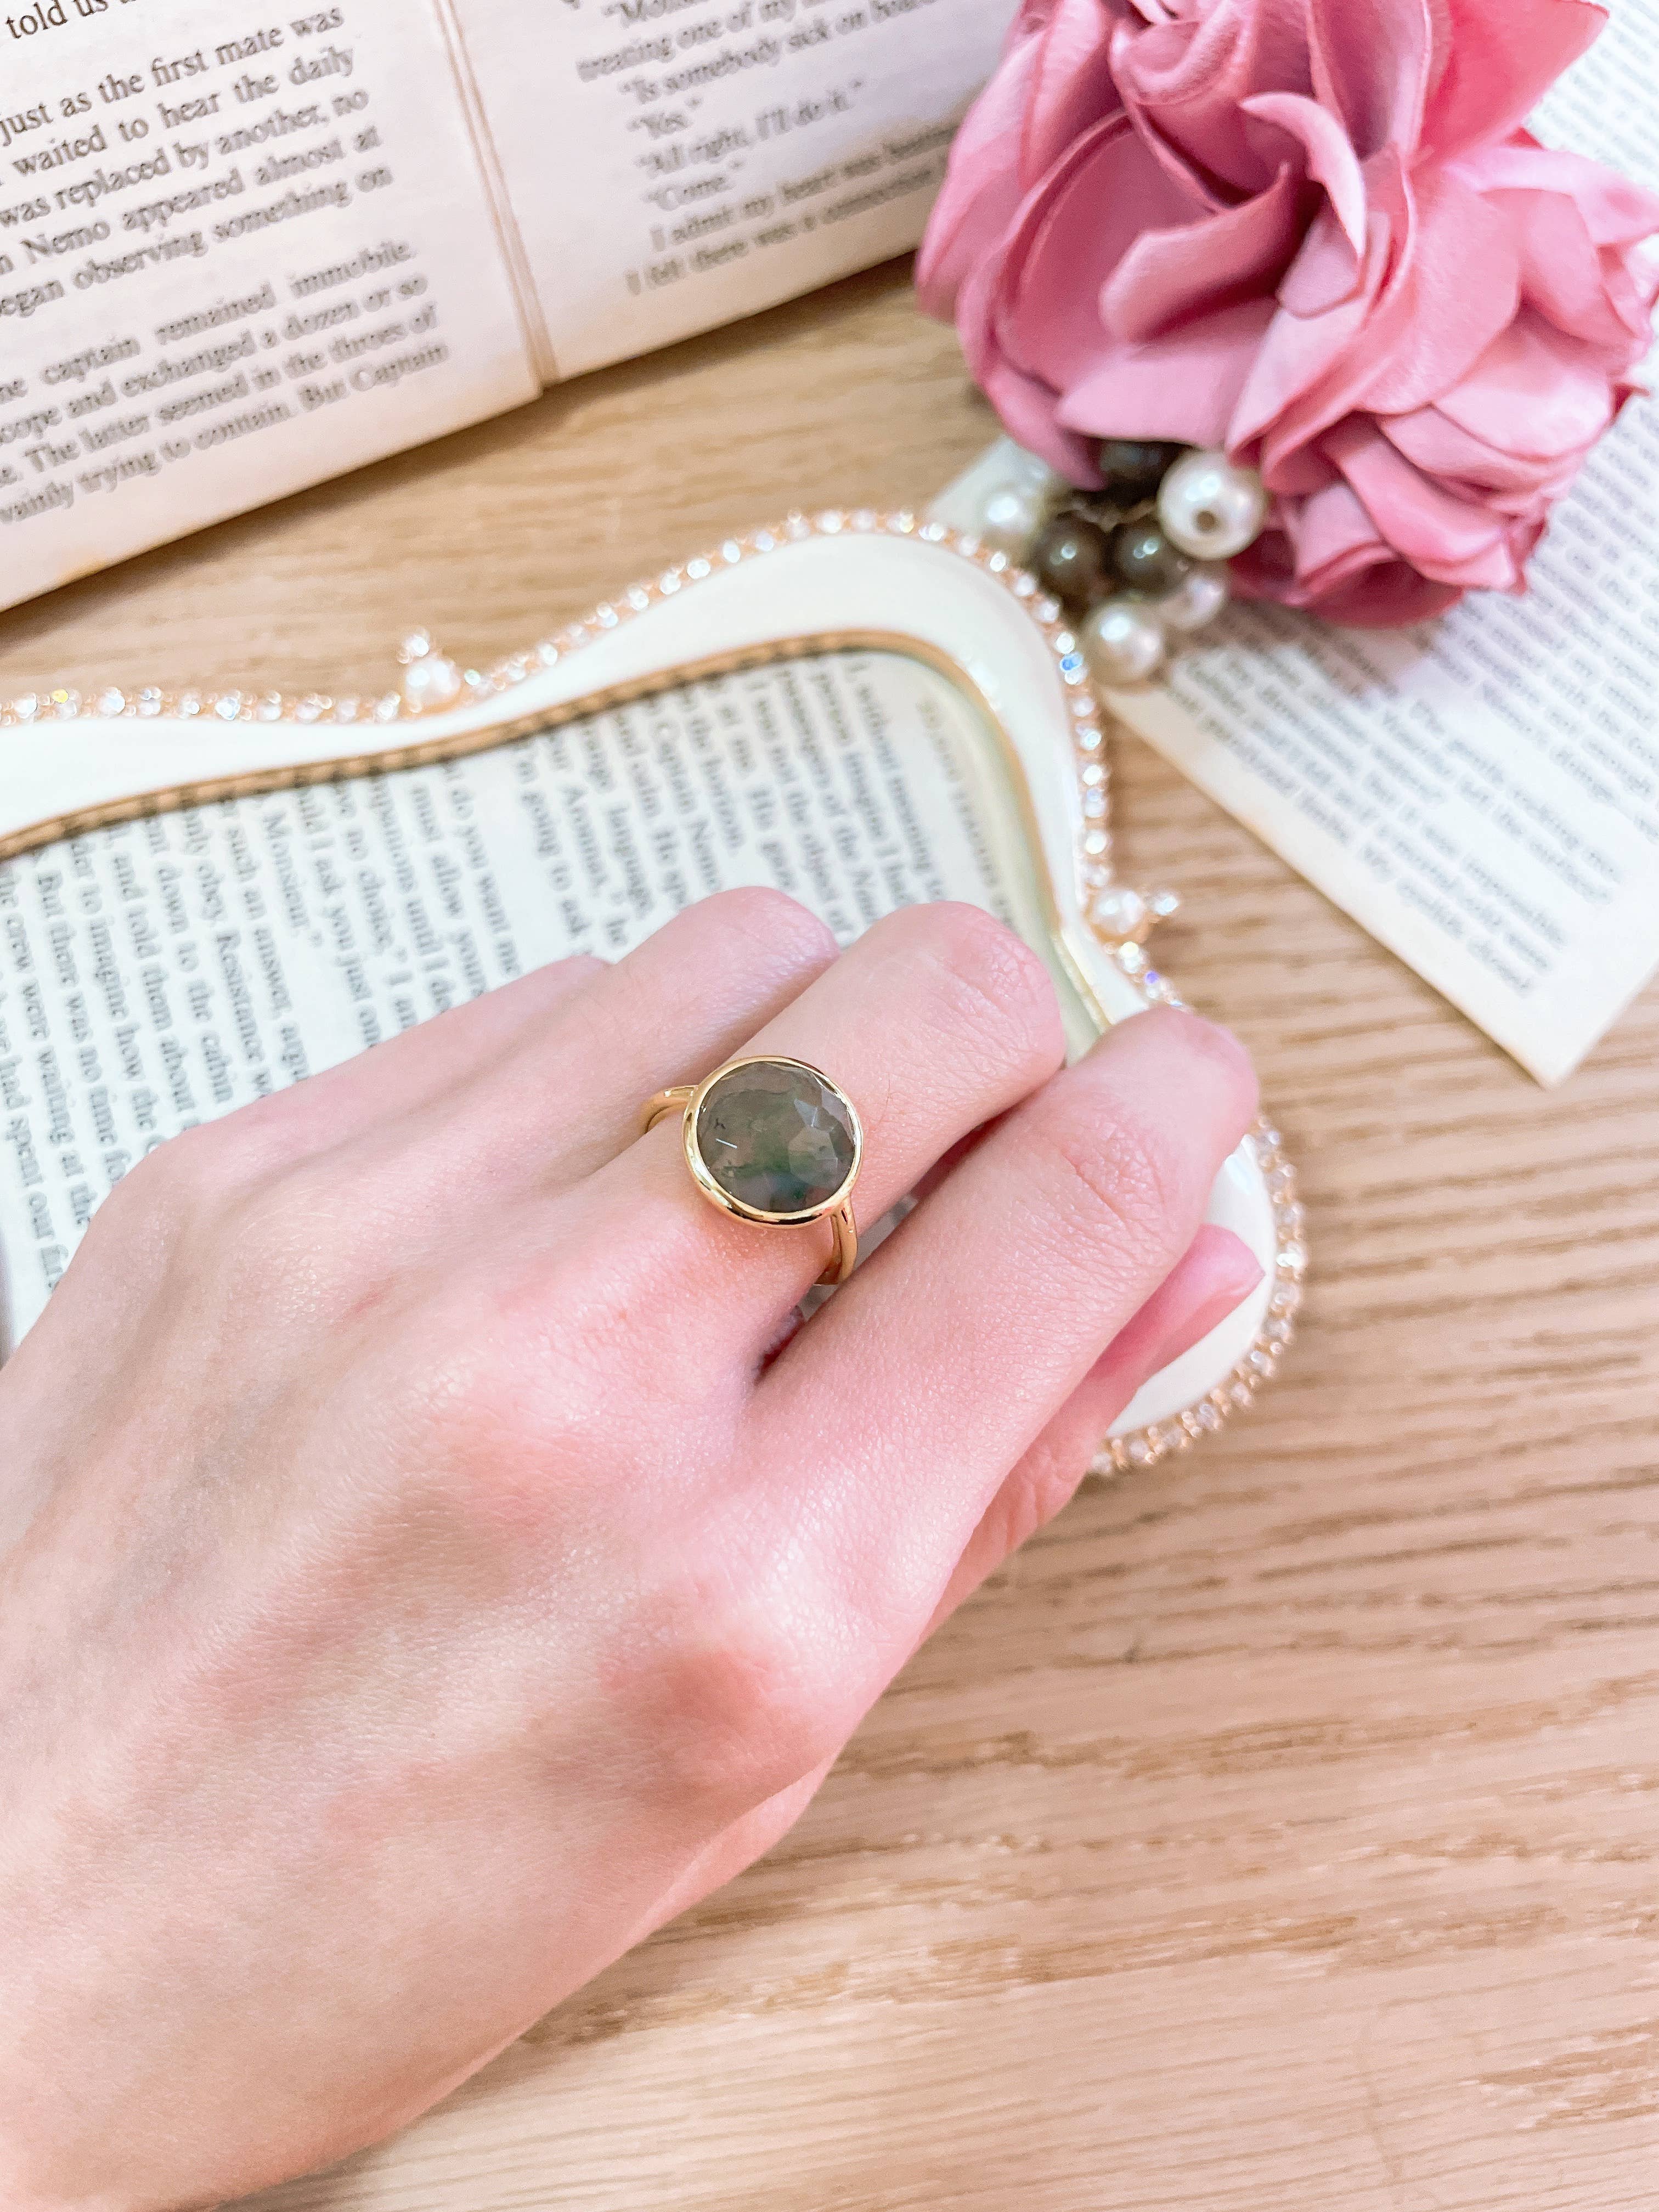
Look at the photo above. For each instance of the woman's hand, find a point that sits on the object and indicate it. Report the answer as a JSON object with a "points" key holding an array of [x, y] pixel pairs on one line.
{"points": [[426, 1562]]}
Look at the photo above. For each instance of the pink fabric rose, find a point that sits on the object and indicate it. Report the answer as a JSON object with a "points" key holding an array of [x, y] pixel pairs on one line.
{"points": [[1313, 233]]}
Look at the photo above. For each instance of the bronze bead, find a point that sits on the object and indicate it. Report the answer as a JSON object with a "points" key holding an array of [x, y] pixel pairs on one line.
{"points": [[1144, 559], [1069, 559], [1134, 467]]}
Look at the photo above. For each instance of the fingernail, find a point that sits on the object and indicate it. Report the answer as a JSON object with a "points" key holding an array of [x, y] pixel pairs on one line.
{"points": [[1217, 1273]]}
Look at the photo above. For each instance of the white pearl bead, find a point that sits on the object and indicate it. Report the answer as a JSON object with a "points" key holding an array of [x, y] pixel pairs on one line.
{"points": [[1035, 473], [431, 682], [1198, 600], [1120, 914], [1122, 641], [1010, 518], [1212, 509]]}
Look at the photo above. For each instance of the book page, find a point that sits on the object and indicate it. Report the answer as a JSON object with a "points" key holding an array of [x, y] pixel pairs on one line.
{"points": [[1482, 793], [160, 973], [240, 253], [673, 164]]}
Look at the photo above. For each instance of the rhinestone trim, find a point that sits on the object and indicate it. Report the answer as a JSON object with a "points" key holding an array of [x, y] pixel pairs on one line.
{"points": [[1122, 1453]]}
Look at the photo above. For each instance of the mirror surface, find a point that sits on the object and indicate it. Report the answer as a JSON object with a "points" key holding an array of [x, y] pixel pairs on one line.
{"points": [[164, 971]]}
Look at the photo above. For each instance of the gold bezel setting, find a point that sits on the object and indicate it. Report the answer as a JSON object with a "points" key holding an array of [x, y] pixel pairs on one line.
{"points": [[703, 1176], [433, 683]]}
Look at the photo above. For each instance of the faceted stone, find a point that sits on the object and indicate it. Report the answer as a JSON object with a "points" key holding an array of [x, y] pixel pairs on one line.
{"points": [[776, 1138]]}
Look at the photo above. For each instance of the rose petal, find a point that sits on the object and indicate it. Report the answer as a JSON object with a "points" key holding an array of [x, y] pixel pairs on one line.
{"points": [[981, 190], [1330, 156], [1533, 393], [1501, 56], [1071, 86], [1069, 238], [1348, 340], [1464, 278], [1616, 212], [1372, 589], [1564, 275], [1389, 594], [1024, 403], [1432, 443], [1025, 407], [1328, 530], [1329, 368], [1301, 472], [1327, 271], [1299, 355], [1182, 386], [1452, 539], [1183, 82], [1316, 232], [1371, 62], [1169, 276]]}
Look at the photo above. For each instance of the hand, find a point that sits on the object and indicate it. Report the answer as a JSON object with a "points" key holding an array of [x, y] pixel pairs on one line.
{"points": [[431, 1561]]}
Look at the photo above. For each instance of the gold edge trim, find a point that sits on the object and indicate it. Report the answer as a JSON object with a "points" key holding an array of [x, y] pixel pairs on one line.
{"points": [[466, 745]]}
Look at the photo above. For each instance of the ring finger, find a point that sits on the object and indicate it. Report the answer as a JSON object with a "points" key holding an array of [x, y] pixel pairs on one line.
{"points": [[936, 1021]]}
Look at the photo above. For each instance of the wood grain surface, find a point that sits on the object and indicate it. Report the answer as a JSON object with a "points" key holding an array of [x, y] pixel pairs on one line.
{"points": [[1280, 1833]]}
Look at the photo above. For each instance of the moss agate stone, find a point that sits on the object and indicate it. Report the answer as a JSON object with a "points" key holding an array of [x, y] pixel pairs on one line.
{"points": [[776, 1138]]}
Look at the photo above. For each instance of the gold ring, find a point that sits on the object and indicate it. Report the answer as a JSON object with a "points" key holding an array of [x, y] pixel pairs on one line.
{"points": [[775, 1142]]}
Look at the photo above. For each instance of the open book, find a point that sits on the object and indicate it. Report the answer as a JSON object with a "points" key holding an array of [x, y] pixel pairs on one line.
{"points": [[241, 253]]}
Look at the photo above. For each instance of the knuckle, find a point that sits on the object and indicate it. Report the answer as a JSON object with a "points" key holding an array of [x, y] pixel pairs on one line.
{"points": [[548, 1403], [312, 1238], [1045, 1486], [1045, 1483], [279, 1239], [579, 967], [1125, 1183], [730, 1710], [542, 1373], [570, 973], [777, 927], [507, 1434], [1220, 1055], [180, 1182], [756, 943], [993, 984]]}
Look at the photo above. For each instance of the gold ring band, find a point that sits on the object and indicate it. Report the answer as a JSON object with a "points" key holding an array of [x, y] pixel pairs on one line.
{"points": [[775, 1142]]}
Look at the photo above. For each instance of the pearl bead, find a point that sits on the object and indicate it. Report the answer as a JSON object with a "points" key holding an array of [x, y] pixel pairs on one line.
{"points": [[1070, 558], [1198, 600], [1010, 518], [431, 681], [1145, 560], [1034, 472], [1122, 642], [1120, 914], [1212, 509]]}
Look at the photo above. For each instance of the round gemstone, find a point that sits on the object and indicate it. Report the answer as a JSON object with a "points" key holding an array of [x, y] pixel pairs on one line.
{"points": [[777, 1139]]}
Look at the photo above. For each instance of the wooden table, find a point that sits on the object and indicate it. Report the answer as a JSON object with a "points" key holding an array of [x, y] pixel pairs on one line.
{"points": [[1280, 1833]]}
